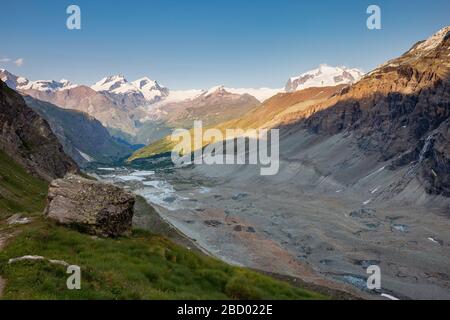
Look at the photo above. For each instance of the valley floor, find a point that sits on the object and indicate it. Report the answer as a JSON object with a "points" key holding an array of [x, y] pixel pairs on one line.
{"points": [[321, 226]]}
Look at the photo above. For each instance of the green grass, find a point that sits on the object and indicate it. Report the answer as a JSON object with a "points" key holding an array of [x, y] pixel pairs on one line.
{"points": [[143, 266], [19, 191]]}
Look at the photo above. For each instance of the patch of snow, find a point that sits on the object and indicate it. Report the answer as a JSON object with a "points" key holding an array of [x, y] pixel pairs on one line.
{"points": [[389, 296], [433, 240], [367, 202], [85, 156], [374, 173]]}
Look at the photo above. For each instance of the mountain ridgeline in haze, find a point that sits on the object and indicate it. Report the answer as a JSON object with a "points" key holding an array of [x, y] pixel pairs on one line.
{"points": [[143, 111], [83, 137]]}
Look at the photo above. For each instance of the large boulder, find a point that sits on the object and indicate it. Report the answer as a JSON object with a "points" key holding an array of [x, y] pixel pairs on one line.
{"points": [[90, 206]]}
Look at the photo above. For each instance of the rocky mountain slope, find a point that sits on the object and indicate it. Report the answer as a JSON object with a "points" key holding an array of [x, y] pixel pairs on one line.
{"points": [[28, 139], [83, 137], [400, 111]]}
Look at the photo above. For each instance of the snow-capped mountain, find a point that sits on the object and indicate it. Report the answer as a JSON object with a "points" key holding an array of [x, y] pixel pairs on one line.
{"points": [[432, 42], [139, 92], [48, 85], [21, 83], [150, 88], [12, 80], [115, 84], [324, 76]]}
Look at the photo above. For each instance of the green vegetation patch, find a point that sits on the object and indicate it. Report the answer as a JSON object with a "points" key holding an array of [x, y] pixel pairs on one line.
{"points": [[143, 266], [19, 191]]}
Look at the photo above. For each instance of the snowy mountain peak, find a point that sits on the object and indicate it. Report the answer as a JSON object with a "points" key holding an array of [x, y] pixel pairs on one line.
{"points": [[21, 83], [216, 90], [144, 81], [115, 84], [324, 76], [150, 89], [46, 85], [433, 41], [144, 90]]}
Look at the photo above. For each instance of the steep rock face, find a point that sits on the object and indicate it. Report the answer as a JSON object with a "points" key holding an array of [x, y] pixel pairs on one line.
{"points": [[96, 208], [434, 160], [396, 108], [28, 139], [82, 136]]}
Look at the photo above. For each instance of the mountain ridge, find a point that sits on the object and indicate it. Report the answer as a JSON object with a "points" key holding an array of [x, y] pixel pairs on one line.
{"points": [[28, 139]]}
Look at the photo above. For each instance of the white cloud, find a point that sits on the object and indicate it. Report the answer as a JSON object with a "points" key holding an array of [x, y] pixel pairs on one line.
{"points": [[5, 59], [19, 62]]}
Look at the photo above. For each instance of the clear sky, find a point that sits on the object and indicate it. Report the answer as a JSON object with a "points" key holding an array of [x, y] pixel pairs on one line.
{"points": [[200, 43]]}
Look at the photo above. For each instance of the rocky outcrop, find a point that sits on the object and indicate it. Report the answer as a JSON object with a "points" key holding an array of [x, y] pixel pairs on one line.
{"points": [[90, 206], [434, 160], [28, 139]]}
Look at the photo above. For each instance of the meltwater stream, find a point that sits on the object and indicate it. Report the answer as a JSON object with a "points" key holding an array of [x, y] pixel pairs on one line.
{"points": [[146, 183]]}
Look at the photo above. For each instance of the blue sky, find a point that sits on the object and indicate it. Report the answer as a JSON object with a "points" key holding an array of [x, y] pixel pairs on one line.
{"points": [[200, 43]]}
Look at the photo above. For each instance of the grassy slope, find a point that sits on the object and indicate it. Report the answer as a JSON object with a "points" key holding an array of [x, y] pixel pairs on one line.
{"points": [[142, 266], [19, 192]]}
